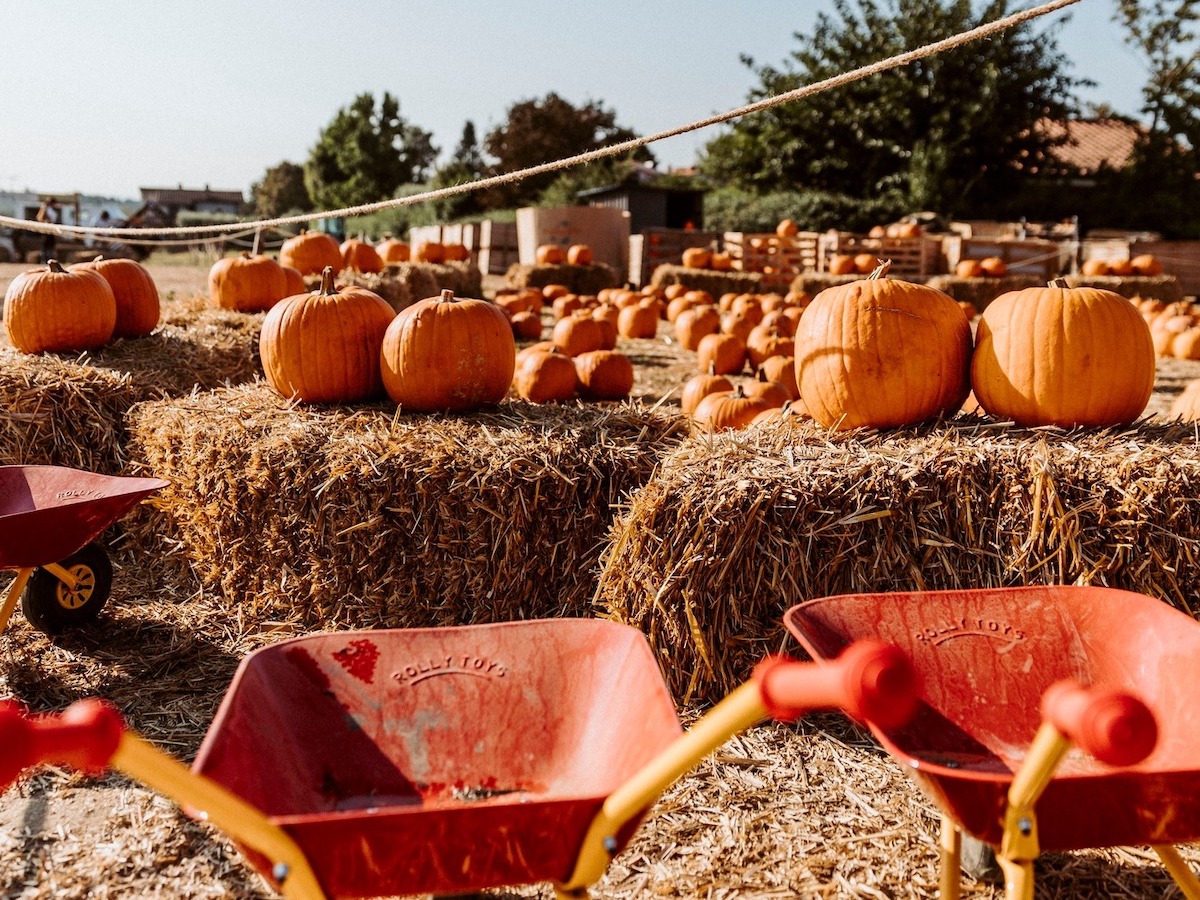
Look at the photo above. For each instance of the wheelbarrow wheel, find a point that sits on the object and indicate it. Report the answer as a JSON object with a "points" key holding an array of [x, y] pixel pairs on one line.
{"points": [[52, 606]]}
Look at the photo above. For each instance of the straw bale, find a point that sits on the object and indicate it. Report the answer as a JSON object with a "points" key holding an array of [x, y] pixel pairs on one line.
{"points": [[402, 284], [361, 516], [1151, 287], [736, 528], [589, 279], [716, 283], [982, 291], [61, 412]]}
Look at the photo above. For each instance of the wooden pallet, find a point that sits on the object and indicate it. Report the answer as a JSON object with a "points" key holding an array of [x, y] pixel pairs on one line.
{"points": [[1045, 259], [655, 247], [916, 257], [771, 254]]}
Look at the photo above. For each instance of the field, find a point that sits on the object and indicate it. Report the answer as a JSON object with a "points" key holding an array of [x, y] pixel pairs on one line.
{"points": [[810, 810]]}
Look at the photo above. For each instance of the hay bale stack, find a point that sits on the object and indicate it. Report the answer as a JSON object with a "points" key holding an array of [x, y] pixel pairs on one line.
{"points": [[736, 528], [403, 284], [979, 292], [60, 412], [357, 516], [716, 283], [588, 280], [1150, 287]]}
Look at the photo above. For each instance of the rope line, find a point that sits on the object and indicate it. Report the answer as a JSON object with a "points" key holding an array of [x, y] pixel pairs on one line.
{"points": [[958, 40]]}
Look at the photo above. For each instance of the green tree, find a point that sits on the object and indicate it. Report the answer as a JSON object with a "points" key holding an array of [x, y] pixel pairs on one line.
{"points": [[467, 164], [364, 155], [544, 130], [942, 133], [281, 191]]}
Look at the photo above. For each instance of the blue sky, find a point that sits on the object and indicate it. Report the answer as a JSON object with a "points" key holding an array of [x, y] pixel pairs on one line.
{"points": [[106, 96]]}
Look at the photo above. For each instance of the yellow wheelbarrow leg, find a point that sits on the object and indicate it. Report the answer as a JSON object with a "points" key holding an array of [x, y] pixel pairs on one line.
{"points": [[1180, 871], [10, 598], [951, 853]]}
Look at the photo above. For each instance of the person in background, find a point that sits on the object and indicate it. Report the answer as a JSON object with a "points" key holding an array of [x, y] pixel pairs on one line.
{"points": [[51, 215], [102, 220]]}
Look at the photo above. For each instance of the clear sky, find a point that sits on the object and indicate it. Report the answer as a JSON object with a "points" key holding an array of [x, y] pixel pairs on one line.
{"points": [[106, 96]]}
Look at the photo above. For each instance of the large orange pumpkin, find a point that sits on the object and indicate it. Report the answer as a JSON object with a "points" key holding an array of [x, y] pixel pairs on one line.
{"points": [[879, 352], [247, 283], [310, 252], [448, 354], [49, 309], [138, 308], [1062, 356], [324, 347]]}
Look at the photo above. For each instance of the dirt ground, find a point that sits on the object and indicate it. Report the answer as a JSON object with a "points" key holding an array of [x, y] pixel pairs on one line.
{"points": [[812, 810]]}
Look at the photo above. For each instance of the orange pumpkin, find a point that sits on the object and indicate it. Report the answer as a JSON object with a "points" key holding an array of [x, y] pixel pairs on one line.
{"points": [[1146, 265], [723, 354], [865, 263], [786, 229], [638, 321], [968, 268], [1062, 356], [1095, 268], [698, 387], [781, 370], [309, 252], [50, 309], [526, 326], [324, 347], [1187, 404], [293, 281], [394, 251], [993, 267], [546, 377], [549, 255], [1120, 268], [248, 283], [432, 252], [578, 333], [604, 375], [138, 308], [455, 252], [359, 256], [841, 264], [694, 323], [579, 255], [879, 352], [728, 410], [697, 257], [448, 354]]}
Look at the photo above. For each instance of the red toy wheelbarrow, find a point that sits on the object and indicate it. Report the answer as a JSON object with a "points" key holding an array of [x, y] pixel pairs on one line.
{"points": [[50, 517], [452, 759], [998, 738]]}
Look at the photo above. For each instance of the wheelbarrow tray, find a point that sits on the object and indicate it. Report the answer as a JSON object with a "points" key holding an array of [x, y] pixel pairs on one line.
{"points": [[49, 512], [986, 656], [444, 759]]}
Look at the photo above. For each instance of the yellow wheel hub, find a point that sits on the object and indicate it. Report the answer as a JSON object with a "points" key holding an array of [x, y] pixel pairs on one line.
{"points": [[78, 596]]}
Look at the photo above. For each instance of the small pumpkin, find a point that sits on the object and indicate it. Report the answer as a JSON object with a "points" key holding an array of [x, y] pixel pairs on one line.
{"points": [[393, 251], [639, 321], [865, 263], [1146, 264], [578, 333], [546, 377], [1062, 356], [432, 252], [455, 252], [841, 264], [293, 282], [723, 354], [968, 268], [1187, 405], [728, 410], [324, 346], [526, 326], [359, 256], [1095, 268], [786, 229], [51, 309], [993, 267], [549, 255], [697, 257], [604, 375], [309, 252], [248, 283], [694, 323], [579, 255], [698, 387], [138, 308], [448, 354], [781, 370]]}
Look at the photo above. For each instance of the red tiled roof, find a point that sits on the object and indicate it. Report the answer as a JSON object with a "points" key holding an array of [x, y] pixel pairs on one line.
{"points": [[1093, 144]]}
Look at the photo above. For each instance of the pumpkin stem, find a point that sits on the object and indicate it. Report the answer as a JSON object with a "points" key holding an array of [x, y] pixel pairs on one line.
{"points": [[54, 266], [327, 288], [881, 270], [1059, 283], [447, 296], [99, 258]]}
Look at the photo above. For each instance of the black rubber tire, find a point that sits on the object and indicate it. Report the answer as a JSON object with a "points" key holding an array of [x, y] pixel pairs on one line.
{"points": [[51, 607]]}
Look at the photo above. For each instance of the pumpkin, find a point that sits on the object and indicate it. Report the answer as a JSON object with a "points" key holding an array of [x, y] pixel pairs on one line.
{"points": [[1120, 268], [877, 232], [546, 377], [1062, 356], [309, 252], [791, 413], [639, 321], [698, 387], [51, 309], [1094, 268], [447, 353], [566, 305], [549, 255], [993, 267], [723, 354], [879, 352], [248, 283], [781, 370], [694, 323], [1146, 265], [526, 326], [737, 325], [604, 375], [749, 306], [133, 288], [578, 333], [1187, 404], [865, 263], [394, 251], [359, 256], [721, 262], [697, 257], [766, 341], [324, 346], [786, 229], [552, 292], [841, 264], [968, 268], [455, 252], [293, 281], [579, 255], [728, 410], [432, 252], [771, 391]]}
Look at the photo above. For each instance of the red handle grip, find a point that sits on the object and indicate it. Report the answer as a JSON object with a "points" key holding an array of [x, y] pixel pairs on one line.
{"points": [[870, 681], [84, 736], [1115, 727]]}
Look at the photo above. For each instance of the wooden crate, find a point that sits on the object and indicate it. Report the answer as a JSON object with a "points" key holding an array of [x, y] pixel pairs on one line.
{"points": [[1045, 259], [604, 229], [655, 247], [915, 257], [1178, 258], [785, 257], [497, 246]]}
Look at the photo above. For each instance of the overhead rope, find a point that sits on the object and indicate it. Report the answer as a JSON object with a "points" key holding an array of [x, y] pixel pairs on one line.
{"points": [[479, 184]]}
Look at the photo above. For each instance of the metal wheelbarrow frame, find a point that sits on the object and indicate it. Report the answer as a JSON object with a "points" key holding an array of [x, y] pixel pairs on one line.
{"points": [[992, 740], [50, 517], [384, 684]]}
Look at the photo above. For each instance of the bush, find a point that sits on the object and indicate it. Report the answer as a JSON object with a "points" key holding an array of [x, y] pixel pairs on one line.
{"points": [[733, 209]]}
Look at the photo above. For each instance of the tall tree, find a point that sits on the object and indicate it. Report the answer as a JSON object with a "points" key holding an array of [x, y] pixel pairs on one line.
{"points": [[940, 133], [465, 165], [364, 155], [281, 191], [544, 130]]}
